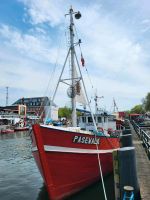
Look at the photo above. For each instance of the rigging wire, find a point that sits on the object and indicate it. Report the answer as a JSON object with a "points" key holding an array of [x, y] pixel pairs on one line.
{"points": [[68, 46], [84, 62], [99, 161], [82, 56], [50, 80]]}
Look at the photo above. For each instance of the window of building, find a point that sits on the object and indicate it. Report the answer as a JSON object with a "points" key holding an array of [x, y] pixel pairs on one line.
{"points": [[84, 119], [104, 119], [90, 119]]}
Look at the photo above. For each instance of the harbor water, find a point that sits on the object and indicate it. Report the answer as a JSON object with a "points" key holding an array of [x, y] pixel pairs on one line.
{"points": [[21, 180]]}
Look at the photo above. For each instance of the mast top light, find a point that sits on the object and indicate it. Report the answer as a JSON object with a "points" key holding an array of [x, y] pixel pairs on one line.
{"points": [[78, 15]]}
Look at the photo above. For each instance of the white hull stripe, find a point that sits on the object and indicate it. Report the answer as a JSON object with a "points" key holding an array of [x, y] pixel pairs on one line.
{"points": [[73, 150]]}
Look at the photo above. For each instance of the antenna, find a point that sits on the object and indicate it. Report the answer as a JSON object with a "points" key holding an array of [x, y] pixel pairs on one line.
{"points": [[7, 96]]}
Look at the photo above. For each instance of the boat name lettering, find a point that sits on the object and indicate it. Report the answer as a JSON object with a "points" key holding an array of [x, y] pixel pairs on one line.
{"points": [[85, 140]]}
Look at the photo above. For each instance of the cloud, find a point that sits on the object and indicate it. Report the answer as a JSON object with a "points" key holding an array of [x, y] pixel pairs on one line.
{"points": [[46, 11], [116, 60], [36, 46]]}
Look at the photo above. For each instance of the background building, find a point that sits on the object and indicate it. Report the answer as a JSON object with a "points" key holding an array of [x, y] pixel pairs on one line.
{"points": [[39, 106], [36, 106]]}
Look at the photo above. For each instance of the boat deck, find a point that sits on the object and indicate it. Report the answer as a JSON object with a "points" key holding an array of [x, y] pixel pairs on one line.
{"points": [[143, 166]]}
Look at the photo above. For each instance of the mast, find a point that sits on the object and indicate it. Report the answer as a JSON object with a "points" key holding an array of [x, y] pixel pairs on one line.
{"points": [[73, 81], [96, 103]]}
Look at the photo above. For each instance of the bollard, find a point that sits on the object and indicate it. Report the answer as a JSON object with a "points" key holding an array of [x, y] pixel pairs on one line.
{"points": [[128, 193], [127, 170]]}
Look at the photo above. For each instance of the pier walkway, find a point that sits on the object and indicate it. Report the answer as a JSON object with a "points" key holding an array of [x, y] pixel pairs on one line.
{"points": [[143, 166]]}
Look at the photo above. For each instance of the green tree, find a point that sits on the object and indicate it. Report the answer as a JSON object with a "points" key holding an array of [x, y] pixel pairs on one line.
{"points": [[137, 109], [147, 102], [64, 112]]}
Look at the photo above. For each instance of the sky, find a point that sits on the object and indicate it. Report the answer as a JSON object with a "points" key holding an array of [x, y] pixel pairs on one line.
{"points": [[115, 38]]}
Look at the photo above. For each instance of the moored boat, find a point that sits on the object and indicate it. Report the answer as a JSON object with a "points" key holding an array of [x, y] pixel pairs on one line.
{"points": [[4, 131], [69, 158], [25, 128]]}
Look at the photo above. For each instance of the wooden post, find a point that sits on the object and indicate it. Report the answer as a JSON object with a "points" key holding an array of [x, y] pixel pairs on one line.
{"points": [[116, 175]]}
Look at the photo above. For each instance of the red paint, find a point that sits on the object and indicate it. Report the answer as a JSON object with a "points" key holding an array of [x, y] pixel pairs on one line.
{"points": [[67, 173]]}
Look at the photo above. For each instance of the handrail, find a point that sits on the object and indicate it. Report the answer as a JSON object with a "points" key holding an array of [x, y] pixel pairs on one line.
{"points": [[143, 136]]}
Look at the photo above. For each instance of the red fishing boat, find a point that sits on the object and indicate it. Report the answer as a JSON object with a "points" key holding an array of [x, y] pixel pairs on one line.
{"points": [[69, 158]]}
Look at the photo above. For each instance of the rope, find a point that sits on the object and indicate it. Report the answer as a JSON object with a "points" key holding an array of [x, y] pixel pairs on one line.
{"points": [[100, 169]]}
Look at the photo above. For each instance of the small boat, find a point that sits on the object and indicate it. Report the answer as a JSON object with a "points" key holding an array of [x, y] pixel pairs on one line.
{"points": [[4, 131], [21, 126], [25, 128], [69, 158]]}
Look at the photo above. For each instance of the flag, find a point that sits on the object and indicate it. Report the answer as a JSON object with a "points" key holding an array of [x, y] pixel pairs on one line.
{"points": [[82, 60]]}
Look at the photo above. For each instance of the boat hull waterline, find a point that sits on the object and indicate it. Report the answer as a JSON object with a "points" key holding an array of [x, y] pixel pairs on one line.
{"points": [[68, 161]]}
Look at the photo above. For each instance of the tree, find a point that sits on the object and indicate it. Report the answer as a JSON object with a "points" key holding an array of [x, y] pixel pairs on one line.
{"points": [[147, 102], [64, 112], [137, 109]]}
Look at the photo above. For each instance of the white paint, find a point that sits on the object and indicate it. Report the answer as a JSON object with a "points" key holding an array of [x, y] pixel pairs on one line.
{"points": [[73, 150]]}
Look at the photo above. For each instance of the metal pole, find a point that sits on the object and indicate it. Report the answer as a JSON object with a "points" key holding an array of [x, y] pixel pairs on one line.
{"points": [[73, 99], [7, 96]]}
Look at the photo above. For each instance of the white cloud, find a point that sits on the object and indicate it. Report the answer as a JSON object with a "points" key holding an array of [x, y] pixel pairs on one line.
{"points": [[45, 11], [36, 46], [116, 60]]}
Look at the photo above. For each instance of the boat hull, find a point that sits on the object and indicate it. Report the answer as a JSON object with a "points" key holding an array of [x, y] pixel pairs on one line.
{"points": [[68, 161], [7, 131], [21, 129]]}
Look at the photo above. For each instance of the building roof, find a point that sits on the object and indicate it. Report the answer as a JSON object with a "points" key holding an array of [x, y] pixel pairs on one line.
{"points": [[44, 101]]}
